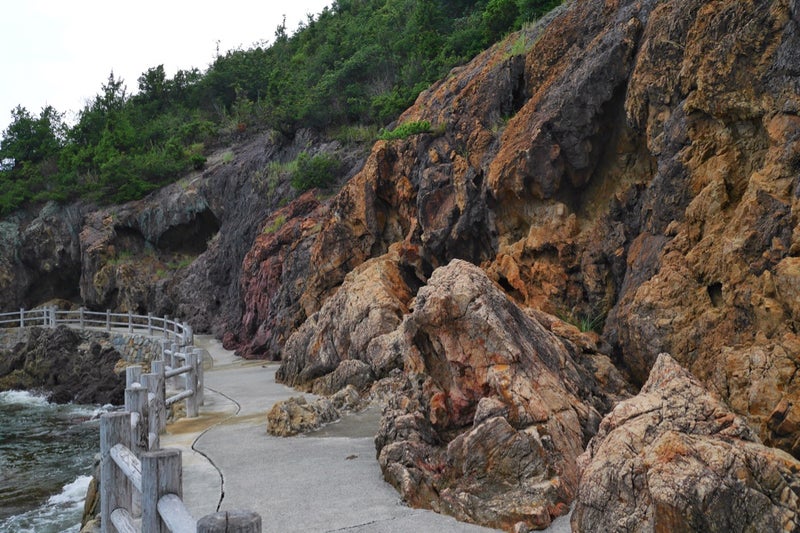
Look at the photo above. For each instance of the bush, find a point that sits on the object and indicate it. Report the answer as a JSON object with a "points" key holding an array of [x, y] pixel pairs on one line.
{"points": [[318, 171], [405, 130]]}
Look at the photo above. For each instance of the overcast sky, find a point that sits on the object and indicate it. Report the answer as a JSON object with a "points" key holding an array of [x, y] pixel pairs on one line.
{"points": [[59, 52]]}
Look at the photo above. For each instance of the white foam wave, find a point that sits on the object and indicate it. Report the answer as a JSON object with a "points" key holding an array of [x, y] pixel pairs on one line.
{"points": [[62, 512], [72, 493], [23, 397]]}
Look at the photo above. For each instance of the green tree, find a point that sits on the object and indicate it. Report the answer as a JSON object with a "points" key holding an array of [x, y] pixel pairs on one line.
{"points": [[30, 139]]}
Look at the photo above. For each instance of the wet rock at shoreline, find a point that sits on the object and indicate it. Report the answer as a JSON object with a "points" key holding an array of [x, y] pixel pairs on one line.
{"points": [[60, 363]]}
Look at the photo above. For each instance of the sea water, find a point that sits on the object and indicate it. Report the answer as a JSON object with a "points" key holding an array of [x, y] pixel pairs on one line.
{"points": [[47, 457]]}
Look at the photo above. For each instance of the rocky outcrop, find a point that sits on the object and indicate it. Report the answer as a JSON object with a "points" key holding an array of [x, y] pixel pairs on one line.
{"points": [[675, 458], [59, 363], [494, 411], [39, 256], [298, 415], [374, 298], [631, 165], [270, 288]]}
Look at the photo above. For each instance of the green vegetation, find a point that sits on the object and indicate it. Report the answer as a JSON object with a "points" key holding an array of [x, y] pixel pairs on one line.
{"points": [[347, 71], [276, 224], [403, 131], [317, 171], [593, 320]]}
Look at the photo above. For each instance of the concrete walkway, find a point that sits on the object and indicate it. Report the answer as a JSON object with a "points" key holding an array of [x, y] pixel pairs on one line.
{"points": [[325, 481]]}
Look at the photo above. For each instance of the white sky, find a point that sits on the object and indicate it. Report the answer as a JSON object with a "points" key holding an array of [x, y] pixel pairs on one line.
{"points": [[59, 52]]}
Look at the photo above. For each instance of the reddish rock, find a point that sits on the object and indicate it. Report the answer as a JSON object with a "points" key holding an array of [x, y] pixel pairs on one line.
{"points": [[269, 279], [371, 302]]}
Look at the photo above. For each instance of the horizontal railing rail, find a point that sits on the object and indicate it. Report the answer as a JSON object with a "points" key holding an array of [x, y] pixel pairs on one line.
{"points": [[140, 484], [172, 330], [141, 487]]}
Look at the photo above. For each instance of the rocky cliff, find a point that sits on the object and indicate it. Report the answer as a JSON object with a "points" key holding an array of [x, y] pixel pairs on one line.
{"points": [[177, 252], [626, 165]]}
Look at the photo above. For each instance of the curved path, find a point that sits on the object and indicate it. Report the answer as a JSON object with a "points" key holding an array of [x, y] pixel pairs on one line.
{"points": [[325, 481]]}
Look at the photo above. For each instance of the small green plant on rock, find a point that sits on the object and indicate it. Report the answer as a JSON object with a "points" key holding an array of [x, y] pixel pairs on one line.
{"points": [[320, 170], [592, 320], [276, 224], [403, 131]]}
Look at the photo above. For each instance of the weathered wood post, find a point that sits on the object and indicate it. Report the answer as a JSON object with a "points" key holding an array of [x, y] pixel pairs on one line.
{"points": [[201, 397], [108, 319], [161, 475], [115, 428], [136, 403], [21, 317], [166, 329], [230, 522], [171, 360], [53, 318], [130, 322], [133, 375], [191, 383], [81, 318], [159, 388], [150, 324], [150, 382]]}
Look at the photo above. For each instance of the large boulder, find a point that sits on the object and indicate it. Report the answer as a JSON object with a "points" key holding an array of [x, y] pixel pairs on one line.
{"points": [[494, 410], [676, 458], [371, 303]]}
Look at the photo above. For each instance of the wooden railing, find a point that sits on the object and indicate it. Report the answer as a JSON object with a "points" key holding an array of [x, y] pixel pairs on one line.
{"points": [[140, 484], [172, 330]]}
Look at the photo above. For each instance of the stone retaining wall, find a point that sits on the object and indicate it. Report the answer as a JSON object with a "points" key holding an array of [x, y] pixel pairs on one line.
{"points": [[133, 347]]}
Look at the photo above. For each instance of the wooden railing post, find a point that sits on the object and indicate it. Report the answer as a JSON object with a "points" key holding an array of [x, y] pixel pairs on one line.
{"points": [[201, 396], [191, 383], [53, 317], [108, 319], [81, 318], [133, 375], [166, 329], [130, 322], [159, 388], [21, 317], [230, 522], [150, 324], [115, 428], [150, 382], [161, 475], [136, 402]]}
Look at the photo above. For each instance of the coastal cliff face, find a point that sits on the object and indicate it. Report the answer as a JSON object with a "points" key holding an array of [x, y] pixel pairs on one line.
{"points": [[177, 252], [628, 166], [632, 164]]}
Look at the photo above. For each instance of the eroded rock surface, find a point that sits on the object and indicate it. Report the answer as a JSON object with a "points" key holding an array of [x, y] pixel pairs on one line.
{"points": [[494, 410], [675, 458], [68, 369], [635, 168], [298, 415]]}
